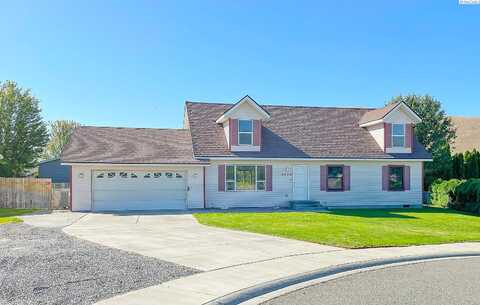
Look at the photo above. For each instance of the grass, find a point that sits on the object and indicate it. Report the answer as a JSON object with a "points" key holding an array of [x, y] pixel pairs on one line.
{"points": [[359, 228], [8, 215]]}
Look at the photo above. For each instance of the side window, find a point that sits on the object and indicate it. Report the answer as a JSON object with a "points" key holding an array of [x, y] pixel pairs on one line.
{"points": [[335, 178], [245, 132], [395, 178], [398, 135]]}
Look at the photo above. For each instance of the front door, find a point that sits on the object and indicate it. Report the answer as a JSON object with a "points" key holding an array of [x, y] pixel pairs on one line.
{"points": [[300, 182]]}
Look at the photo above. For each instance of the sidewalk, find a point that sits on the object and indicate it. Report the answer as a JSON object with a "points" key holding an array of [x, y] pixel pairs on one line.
{"points": [[209, 286]]}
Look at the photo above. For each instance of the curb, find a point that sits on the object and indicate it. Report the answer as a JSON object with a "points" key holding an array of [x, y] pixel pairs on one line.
{"points": [[247, 294]]}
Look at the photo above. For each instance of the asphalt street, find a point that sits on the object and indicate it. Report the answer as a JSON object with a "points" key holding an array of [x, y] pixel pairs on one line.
{"points": [[445, 282]]}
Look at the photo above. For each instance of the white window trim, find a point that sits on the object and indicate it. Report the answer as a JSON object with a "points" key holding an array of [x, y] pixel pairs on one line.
{"points": [[245, 132], [404, 134], [235, 178]]}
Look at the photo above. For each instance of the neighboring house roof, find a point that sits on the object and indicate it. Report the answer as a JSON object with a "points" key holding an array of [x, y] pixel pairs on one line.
{"points": [[468, 133], [381, 113], [294, 132], [129, 146]]}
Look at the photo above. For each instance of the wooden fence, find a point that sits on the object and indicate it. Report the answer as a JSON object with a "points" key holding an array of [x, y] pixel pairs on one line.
{"points": [[32, 193]]}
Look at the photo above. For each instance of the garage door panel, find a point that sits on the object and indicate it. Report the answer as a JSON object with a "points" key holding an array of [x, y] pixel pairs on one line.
{"points": [[128, 195], [138, 190]]}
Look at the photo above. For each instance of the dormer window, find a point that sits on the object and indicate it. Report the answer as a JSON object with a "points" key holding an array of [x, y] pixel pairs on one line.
{"points": [[398, 135], [245, 132]]}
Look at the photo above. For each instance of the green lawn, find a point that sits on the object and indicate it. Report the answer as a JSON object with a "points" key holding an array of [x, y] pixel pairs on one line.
{"points": [[360, 228], [8, 215]]}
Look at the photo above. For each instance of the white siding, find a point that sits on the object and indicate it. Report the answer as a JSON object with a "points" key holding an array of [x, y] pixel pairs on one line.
{"points": [[378, 133], [366, 186], [82, 187], [247, 112], [281, 185]]}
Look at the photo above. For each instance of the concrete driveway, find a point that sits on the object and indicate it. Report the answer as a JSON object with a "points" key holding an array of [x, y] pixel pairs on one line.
{"points": [[178, 238]]}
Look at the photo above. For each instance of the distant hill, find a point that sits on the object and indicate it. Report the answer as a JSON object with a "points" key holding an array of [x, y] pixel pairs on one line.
{"points": [[468, 133]]}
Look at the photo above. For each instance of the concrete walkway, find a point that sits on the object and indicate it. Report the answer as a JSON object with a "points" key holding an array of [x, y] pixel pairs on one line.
{"points": [[210, 287]]}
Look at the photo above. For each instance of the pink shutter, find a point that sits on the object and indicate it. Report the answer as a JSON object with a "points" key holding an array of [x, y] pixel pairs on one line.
{"points": [[233, 126], [346, 178], [323, 178], [221, 178], [406, 178], [257, 133], [387, 128], [268, 173], [385, 178], [408, 136]]}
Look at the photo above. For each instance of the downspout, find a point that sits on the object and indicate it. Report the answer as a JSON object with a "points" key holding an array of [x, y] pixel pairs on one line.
{"points": [[71, 189], [204, 198]]}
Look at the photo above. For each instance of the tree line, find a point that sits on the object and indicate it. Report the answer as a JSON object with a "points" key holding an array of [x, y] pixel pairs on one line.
{"points": [[466, 165]]}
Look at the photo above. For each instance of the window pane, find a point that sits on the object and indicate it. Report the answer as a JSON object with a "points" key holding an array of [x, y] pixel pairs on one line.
{"points": [[396, 178], [260, 185], [245, 138], [245, 125], [230, 172], [245, 178], [398, 129], [335, 171], [261, 173], [231, 186], [334, 183], [398, 141]]}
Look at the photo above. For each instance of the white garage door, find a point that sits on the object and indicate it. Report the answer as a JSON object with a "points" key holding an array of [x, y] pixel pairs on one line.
{"points": [[138, 190]]}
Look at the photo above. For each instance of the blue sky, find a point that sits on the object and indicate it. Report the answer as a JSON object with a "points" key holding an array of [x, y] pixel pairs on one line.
{"points": [[134, 63]]}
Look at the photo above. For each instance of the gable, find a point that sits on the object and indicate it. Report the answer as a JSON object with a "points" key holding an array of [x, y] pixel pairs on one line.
{"points": [[246, 108], [401, 114]]}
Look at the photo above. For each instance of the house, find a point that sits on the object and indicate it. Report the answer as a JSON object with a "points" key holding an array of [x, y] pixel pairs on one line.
{"points": [[55, 170], [467, 133], [251, 155]]}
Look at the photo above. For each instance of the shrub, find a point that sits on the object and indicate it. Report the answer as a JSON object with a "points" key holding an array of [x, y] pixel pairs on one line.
{"points": [[469, 191], [443, 191], [466, 196]]}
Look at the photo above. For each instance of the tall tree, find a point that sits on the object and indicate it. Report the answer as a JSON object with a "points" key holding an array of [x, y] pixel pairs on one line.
{"points": [[23, 133], [60, 132], [458, 166], [436, 133]]}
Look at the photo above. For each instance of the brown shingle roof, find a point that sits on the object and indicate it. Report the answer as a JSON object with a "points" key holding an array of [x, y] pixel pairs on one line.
{"points": [[468, 133], [377, 114], [129, 145], [294, 132]]}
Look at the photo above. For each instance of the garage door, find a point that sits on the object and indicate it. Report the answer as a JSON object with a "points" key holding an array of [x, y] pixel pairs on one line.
{"points": [[138, 190]]}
